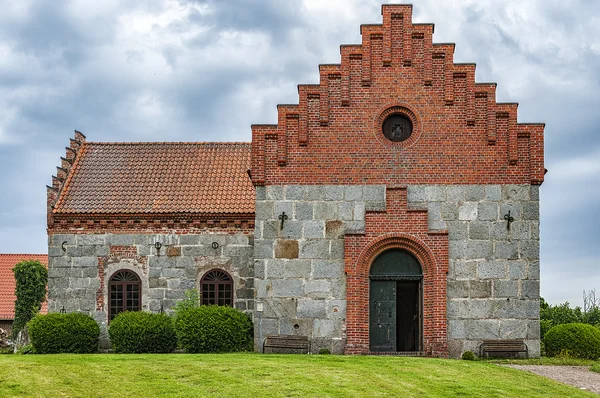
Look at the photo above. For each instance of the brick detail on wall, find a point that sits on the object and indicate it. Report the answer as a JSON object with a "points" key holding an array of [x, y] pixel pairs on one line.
{"points": [[458, 119], [399, 227]]}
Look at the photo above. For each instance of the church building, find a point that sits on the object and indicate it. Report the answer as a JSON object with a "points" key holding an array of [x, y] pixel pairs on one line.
{"points": [[393, 210]]}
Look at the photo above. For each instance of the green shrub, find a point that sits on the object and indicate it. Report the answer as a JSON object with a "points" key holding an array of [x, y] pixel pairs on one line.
{"points": [[213, 329], [324, 351], [26, 349], [575, 340], [138, 332], [468, 356], [55, 333], [545, 325]]}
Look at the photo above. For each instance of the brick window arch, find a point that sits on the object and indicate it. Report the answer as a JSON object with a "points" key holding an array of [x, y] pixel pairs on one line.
{"points": [[125, 290], [216, 287]]}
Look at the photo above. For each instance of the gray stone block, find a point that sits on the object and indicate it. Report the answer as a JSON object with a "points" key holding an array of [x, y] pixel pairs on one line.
{"points": [[533, 269], [287, 288], [519, 230], [493, 192], [533, 330], [456, 329], [280, 308], [54, 251], [457, 230], [120, 239], [474, 192], [209, 239], [503, 289], [314, 193], [85, 262], [275, 269], [283, 206], [435, 193], [479, 230], [464, 269], [434, 211], [515, 192], [314, 229], [81, 251], [326, 328], [58, 239], [338, 287], [438, 225], [458, 289], [304, 211], [345, 211], [270, 229], [359, 211], [330, 269], [534, 230], [102, 251], [261, 193], [317, 289], [531, 210], [478, 249], [173, 273], [534, 192], [263, 248], [336, 309], [499, 231], [334, 192], [483, 329], [506, 250], [262, 288], [480, 289], [513, 207], [468, 211], [493, 269], [308, 308], [326, 211], [517, 269], [487, 211], [449, 211], [455, 193], [294, 192], [375, 206], [353, 192], [416, 193], [89, 240], [354, 227], [513, 329], [337, 249], [529, 249], [334, 229], [530, 289], [291, 229], [457, 249], [264, 210], [297, 268], [374, 193], [274, 192], [314, 248]]}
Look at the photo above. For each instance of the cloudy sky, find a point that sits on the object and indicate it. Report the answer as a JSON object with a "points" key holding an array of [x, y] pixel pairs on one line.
{"points": [[204, 70]]}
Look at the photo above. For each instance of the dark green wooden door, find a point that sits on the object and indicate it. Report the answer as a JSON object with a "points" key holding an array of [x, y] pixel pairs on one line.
{"points": [[382, 310]]}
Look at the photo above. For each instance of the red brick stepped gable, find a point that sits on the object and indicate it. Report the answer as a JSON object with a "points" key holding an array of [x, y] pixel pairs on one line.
{"points": [[326, 137]]}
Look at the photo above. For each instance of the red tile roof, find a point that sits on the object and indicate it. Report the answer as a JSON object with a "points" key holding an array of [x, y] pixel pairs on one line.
{"points": [[7, 282], [159, 177]]}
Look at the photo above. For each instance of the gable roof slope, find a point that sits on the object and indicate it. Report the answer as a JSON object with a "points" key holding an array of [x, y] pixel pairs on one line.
{"points": [[159, 177]]}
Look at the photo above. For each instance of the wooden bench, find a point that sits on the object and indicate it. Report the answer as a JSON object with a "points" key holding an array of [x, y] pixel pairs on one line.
{"points": [[285, 344], [503, 346]]}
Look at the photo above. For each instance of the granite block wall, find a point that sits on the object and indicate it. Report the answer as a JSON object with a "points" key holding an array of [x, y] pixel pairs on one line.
{"points": [[494, 271], [78, 276], [299, 265]]}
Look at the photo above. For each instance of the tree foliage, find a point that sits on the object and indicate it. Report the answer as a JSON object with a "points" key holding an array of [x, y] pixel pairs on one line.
{"points": [[31, 278]]}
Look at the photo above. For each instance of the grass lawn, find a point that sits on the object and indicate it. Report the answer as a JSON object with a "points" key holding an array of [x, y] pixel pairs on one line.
{"points": [[255, 375]]}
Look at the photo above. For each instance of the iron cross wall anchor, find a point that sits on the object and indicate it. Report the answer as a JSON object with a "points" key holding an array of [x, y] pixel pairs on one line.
{"points": [[509, 219], [282, 217]]}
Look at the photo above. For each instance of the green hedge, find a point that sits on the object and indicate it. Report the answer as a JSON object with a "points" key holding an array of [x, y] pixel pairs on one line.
{"points": [[576, 340], [138, 332], [55, 333], [213, 329]]}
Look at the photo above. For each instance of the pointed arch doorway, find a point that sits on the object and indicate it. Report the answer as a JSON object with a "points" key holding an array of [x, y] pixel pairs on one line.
{"points": [[395, 302]]}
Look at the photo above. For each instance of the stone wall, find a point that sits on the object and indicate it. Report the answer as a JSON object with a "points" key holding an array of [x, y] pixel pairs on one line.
{"points": [[493, 280], [299, 269], [78, 276]]}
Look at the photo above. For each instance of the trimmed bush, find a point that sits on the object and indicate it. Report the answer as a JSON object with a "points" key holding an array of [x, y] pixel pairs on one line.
{"points": [[468, 356], [213, 328], [55, 333], [577, 340], [138, 332]]}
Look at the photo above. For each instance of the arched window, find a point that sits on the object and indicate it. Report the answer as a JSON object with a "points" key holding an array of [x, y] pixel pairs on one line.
{"points": [[125, 293], [216, 287]]}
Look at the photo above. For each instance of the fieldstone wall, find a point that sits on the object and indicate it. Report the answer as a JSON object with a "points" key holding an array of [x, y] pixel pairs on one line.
{"points": [[78, 276], [299, 268], [494, 271]]}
